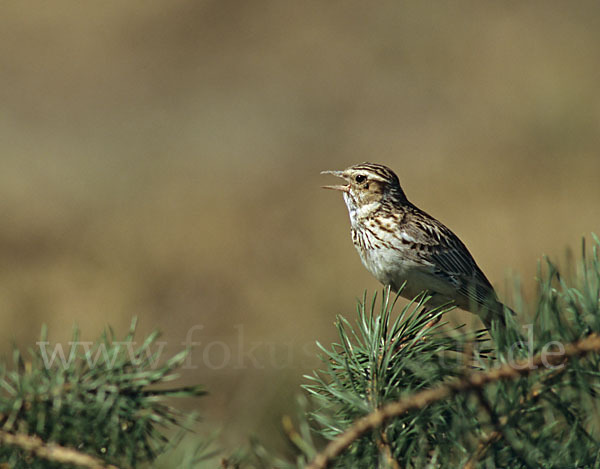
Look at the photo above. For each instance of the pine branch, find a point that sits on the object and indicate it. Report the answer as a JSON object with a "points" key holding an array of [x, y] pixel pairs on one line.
{"points": [[482, 448], [387, 451], [499, 429], [99, 399], [51, 451], [497, 434], [425, 398]]}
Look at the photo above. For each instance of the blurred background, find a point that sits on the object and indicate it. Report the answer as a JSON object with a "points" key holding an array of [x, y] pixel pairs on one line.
{"points": [[161, 160]]}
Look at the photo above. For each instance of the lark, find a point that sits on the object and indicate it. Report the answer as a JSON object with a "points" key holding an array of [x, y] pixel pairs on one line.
{"points": [[400, 245]]}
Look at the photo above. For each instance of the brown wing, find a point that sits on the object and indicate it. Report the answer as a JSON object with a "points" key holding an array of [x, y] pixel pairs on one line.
{"points": [[448, 257]]}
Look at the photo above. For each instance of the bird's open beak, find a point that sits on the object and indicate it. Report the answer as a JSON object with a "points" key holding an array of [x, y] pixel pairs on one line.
{"points": [[339, 187]]}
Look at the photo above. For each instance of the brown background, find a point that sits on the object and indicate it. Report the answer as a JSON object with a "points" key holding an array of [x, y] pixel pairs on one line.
{"points": [[161, 159]]}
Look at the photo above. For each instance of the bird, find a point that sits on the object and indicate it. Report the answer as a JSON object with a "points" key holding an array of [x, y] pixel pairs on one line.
{"points": [[409, 250]]}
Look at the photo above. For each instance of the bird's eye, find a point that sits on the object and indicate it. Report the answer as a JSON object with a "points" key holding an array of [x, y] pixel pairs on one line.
{"points": [[360, 178]]}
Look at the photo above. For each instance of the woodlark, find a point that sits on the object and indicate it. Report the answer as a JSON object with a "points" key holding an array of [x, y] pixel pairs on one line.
{"points": [[398, 242]]}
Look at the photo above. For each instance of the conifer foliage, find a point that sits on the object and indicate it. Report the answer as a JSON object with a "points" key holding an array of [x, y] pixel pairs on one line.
{"points": [[99, 404], [398, 389], [395, 391]]}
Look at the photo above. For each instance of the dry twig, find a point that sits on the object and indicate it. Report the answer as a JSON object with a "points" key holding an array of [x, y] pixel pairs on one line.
{"points": [[429, 396], [52, 451]]}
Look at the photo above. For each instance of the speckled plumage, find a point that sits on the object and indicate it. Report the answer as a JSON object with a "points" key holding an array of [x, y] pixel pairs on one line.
{"points": [[398, 242]]}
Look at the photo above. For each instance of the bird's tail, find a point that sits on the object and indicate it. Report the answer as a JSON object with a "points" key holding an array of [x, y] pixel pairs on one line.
{"points": [[496, 313]]}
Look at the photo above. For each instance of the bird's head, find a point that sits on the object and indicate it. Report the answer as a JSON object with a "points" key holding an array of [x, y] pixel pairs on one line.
{"points": [[368, 184]]}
